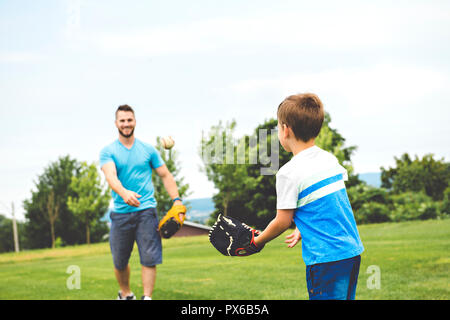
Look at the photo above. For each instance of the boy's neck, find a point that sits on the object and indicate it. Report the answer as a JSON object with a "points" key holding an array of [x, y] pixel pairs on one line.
{"points": [[298, 146]]}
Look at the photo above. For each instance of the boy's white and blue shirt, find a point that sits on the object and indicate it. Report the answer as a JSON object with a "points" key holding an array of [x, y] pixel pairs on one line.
{"points": [[312, 183]]}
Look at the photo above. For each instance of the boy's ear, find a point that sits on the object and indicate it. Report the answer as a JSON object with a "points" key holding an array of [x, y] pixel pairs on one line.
{"points": [[285, 130]]}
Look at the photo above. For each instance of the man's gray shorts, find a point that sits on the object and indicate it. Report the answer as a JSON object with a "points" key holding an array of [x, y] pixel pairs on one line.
{"points": [[140, 226]]}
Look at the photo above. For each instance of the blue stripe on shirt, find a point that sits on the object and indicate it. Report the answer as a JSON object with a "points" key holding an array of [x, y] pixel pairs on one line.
{"points": [[319, 185]]}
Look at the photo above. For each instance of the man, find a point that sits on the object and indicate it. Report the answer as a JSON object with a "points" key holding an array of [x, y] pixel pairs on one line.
{"points": [[127, 164]]}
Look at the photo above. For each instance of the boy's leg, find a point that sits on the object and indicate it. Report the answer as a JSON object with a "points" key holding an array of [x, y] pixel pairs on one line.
{"points": [[354, 278], [333, 280]]}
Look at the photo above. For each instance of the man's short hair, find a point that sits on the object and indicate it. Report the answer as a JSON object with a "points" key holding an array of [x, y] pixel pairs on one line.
{"points": [[124, 107], [303, 113]]}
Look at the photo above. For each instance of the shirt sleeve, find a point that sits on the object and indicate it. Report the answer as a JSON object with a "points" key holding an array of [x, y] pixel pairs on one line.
{"points": [[345, 175], [155, 158], [287, 192], [105, 156]]}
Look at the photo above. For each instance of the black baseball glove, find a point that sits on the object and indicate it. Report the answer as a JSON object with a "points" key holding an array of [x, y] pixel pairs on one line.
{"points": [[233, 238]]}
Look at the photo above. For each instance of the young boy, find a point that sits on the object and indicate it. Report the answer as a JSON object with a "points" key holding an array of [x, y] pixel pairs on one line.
{"points": [[311, 191]]}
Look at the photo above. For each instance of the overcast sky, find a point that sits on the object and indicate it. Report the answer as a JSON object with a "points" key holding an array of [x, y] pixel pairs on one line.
{"points": [[382, 70]]}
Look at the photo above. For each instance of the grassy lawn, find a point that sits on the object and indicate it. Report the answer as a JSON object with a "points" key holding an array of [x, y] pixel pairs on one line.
{"points": [[413, 257]]}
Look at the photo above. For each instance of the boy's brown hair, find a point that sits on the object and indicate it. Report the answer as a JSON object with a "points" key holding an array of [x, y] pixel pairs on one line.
{"points": [[303, 113]]}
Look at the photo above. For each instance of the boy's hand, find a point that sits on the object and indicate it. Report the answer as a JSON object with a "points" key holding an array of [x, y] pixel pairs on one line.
{"points": [[293, 238]]}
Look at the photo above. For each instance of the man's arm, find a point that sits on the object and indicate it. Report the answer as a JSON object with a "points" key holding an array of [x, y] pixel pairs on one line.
{"points": [[169, 183], [277, 226], [130, 197]]}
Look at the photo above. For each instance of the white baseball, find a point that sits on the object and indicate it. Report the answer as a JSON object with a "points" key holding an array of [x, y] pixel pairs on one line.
{"points": [[167, 142]]}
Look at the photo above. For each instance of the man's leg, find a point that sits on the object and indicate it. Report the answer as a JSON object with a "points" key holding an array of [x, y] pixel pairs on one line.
{"points": [[148, 280], [150, 250], [121, 241], [123, 278]]}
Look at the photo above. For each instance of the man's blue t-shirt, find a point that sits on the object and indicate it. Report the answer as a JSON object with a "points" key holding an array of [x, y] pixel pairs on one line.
{"points": [[134, 170]]}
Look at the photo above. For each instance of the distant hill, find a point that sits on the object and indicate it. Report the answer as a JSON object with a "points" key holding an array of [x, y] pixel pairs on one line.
{"points": [[371, 178], [201, 209]]}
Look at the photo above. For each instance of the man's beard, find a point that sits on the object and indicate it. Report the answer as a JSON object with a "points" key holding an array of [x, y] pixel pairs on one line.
{"points": [[126, 135]]}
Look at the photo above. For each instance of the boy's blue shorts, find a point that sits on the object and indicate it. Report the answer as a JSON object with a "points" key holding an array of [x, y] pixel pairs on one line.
{"points": [[334, 280], [140, 226]]}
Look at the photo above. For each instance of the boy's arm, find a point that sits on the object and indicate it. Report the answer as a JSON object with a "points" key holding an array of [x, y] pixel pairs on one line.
{"points": [[277, 226], [129, 197]]}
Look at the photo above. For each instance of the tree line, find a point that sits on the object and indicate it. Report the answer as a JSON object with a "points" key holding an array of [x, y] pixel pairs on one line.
{"points": [[70, 203], [414, 189], [70, 198]]}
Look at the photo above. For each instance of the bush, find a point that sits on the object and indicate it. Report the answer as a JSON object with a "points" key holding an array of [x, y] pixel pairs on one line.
{"points": [[376, 205], [372, 212], [413, 206], [363, 193], [428, 211]]}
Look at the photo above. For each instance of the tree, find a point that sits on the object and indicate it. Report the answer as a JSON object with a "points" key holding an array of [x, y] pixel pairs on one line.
{"points": [[47, 207], [332, 141], [363, 193], [425, 175], [413, 206], [446, 203], [163, 200], [244, 192], [219, 154], [372, 212], [91, 198], [52, 209], [369, 204], [46, 211], [6, 234], [262, 198]]}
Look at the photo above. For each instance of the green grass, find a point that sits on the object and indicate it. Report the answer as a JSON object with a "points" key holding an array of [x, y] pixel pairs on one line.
{"points": [[413, 257]]}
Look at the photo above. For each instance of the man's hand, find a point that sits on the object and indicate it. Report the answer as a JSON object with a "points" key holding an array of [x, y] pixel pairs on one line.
{"points": [[182, 215], [131, 198], [172, 221], [293, 238]]}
